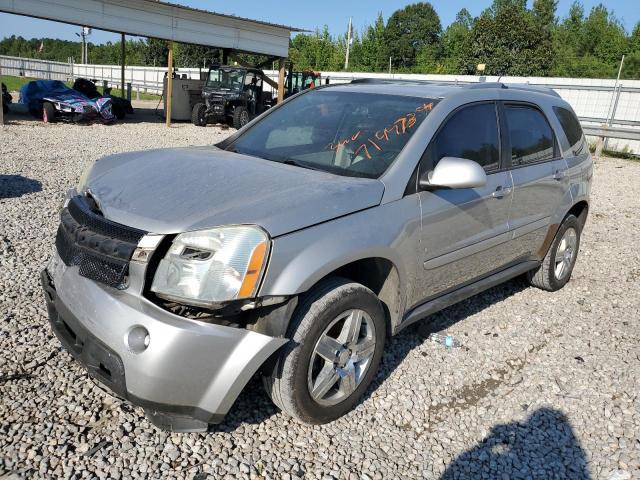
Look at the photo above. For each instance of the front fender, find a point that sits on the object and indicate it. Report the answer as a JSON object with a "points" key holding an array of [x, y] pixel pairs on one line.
{"points": [[301, 259]]}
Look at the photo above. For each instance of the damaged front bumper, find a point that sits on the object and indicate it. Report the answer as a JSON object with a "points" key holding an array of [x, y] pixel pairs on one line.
{"points": [[186, 374]]}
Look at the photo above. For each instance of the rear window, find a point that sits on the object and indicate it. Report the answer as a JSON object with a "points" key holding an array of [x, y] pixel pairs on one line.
{"points": [[347, 133], [570, 126], [530, 134]]}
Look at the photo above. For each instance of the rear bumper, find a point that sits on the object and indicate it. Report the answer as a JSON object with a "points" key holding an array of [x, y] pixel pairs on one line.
{"points": [[189, 375]]}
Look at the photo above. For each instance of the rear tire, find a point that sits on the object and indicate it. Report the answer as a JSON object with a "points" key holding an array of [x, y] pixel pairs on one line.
{"points": [[48, 112], [557, 266], [350, 321], [198, 117], [118, 111], [240, 117]]}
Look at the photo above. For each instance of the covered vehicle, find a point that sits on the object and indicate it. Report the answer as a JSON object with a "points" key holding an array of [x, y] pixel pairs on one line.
{"points": [[52, 99], [119, 106], [6, 99]]}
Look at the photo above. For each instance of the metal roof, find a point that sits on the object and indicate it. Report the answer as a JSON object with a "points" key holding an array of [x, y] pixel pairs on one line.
{"points": [[259, 22], [167, 21]]}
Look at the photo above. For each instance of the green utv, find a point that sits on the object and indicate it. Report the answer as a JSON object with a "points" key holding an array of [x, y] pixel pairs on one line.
{"points": [[232, 94]]}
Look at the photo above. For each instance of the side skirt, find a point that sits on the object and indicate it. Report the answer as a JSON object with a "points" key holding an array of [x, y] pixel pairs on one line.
{"points": [[448, 299]]}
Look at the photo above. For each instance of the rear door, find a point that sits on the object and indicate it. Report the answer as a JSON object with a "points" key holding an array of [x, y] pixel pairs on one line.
{"points": [[539, 177], [462, 229]]}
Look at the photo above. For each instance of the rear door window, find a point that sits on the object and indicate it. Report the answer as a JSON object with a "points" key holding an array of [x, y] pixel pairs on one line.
{"points": [[571, 127], [530, 134], [471, 133]]}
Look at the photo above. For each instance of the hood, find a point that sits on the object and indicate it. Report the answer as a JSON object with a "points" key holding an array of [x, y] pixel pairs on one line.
{"points": [[177, 190]]}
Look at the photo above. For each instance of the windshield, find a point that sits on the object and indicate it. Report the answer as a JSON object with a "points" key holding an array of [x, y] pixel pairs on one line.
{"points": [[347, 133], [226, 79]]}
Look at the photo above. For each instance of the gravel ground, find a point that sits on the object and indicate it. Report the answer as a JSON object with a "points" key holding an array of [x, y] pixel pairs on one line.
{"points": [[544, 386]]}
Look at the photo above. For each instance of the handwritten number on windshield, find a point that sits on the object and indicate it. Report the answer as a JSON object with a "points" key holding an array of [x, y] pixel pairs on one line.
{"points": [[381, 137]]}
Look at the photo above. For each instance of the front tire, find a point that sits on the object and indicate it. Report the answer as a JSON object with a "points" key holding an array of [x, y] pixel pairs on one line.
{"points": [[240, 117], [337, 338], [48, 112], [557, 266], [198, 115]]}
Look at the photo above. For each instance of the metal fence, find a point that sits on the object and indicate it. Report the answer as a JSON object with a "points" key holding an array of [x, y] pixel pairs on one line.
{"points": [[34, 68], [603, 109]]}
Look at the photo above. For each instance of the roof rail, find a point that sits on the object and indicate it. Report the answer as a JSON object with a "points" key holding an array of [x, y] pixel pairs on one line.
{"points": [[473, 86], [381, 81], [486, 85]]}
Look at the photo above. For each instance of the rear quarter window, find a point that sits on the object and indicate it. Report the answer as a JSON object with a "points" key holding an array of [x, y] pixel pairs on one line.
{"points": [[570, 126]]}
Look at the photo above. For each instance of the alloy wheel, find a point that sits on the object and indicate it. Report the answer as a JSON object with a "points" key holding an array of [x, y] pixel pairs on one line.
{"points": [[341, 357], [565, 253]]}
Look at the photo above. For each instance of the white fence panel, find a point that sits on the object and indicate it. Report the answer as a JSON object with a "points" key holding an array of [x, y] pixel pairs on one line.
{"points": [[29, 67]]}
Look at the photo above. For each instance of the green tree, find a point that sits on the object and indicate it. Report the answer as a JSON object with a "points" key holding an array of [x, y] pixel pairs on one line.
{"points": [[194, 56], [409, 30], [544, 20], [374, 53], [631, 67], [507, 41], [156, 52], [455, 41]]}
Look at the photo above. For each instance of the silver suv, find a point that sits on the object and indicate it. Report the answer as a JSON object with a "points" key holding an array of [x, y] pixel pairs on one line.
{"points": [[297, 246]]}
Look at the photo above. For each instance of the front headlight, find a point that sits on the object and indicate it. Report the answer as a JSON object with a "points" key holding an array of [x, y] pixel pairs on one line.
{"points": [[84, 177], [208, 267]]}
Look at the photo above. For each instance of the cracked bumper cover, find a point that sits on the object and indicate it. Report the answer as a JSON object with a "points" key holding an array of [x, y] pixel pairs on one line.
{"points": [[189, 375]]}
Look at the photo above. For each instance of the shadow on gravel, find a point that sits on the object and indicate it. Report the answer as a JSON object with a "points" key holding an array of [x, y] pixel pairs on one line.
{"points": [[542, 447], [253, 406], [14, 186]]}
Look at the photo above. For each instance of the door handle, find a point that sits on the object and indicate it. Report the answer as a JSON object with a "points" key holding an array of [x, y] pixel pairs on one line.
{"points": [[558, 175], [501, 192]]}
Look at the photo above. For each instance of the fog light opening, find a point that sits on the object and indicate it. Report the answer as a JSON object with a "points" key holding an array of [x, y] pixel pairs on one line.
{"points": [[137, 340]]}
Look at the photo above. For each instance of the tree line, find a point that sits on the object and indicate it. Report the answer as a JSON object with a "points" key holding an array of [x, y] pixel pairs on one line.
{"points": [[508, 37]]}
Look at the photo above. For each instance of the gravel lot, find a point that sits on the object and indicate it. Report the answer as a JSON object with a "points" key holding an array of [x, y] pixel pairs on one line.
{"points": [[545, 385]]}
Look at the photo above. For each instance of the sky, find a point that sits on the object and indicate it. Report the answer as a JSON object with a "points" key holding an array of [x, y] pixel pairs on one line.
{"points": [[308, 15]]}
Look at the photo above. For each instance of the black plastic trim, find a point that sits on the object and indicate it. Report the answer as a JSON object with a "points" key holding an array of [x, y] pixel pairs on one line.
{"points": [[441, 302]]}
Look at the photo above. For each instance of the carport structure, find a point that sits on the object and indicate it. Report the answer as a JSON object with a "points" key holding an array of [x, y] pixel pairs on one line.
{"points": [[166, 21]]}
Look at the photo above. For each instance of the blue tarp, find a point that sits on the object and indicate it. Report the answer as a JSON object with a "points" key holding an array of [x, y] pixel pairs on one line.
{"points": [[34, 93]]}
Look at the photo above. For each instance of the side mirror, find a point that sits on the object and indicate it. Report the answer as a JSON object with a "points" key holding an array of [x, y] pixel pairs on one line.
{"points": [[453, 172]]}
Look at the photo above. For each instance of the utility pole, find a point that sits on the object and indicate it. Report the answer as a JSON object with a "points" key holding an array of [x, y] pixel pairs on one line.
{"points": [[349, 40], [86, 31], [84, 50], [389, 65], [2, 102]]}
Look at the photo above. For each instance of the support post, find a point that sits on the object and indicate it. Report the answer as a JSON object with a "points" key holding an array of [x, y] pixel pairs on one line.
{"points": [[169, 92], [122, 59], [281, 75], [225, 56], [1, 101]]}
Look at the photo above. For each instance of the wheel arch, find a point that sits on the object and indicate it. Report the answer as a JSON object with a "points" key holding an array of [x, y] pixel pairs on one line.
{"points": [[377, 273], [580, 210]]}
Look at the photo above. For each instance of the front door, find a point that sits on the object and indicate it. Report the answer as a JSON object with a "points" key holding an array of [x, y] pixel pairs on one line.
{"points": [[463, 229]]}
